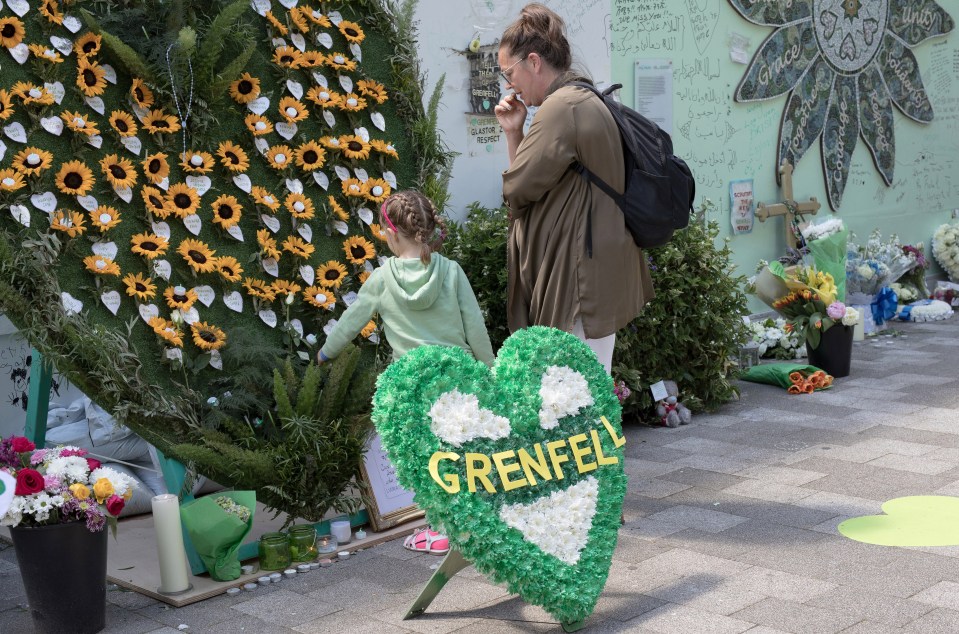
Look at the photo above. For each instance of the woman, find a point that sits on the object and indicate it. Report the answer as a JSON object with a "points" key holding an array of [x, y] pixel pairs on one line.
{"points": [[554, 278]]}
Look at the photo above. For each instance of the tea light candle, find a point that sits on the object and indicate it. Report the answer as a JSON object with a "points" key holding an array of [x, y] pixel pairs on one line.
{"points": [[275, 577], [314, 565], [289, 572], [340, 529], [233, 591], [326, 563], [326, 544], [264, 581], [247, 569], [170, 551], [249, 587], [303, 568], [361, 534], [343, 554]]}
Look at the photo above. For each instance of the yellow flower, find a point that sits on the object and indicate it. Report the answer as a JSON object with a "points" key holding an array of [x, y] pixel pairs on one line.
{"points": [[372, 89], [377, 190], [331, 274], [319, 297], [197, 162], [362, 277], [312, 59], [299, 206], [265, 198], [158, 122], [299, 20], [351, 31], [179, 297], [368, 329], [281, 29], [323, 97], [316, 17], [245, 89], [33, 95], [80, 491], [139, 286], [377, 232], [45, 53], [233, 157], [51, 11], [292, 110], [331, 143], [141, 95], [11, 31], [154, 201], [119, 171], [384, 147], [279, 157], [87, 44], [338, 210], [258, 124], [182, 200], [358, 249], [267, 244], [167, 330], [123, 123], [339, 61], [74, 178], [79, 123], [354, 147], [285, 287], [155, 168], [310, 156], [149, 245], [207, 336], [102, 489], [229, 268], [10, 180], [351, 102], [6, 105], [71, 223], [287, 57], [298, 247], [353, 187], [226, 211], [91, 78], [105, 217], [198, 255], [30, 161], [101, 265], [259, 289]]}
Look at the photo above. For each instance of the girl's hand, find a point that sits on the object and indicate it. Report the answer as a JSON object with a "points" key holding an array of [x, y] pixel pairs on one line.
{"points": [[320, 359], [511, 113]]}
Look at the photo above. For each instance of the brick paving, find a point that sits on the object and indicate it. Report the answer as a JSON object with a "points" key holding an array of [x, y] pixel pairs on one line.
{"points": [[730, 527]]}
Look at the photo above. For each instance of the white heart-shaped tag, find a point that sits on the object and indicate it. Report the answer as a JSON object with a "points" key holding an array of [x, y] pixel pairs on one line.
{"points": [[111, 299], [259, 105], [294, 185], [109, 73], [285, 130], [72, 23], [46, 201], [53, 125], [141, 113], [70, 303], [148, 312], [297, 326], [320, 79], [349, 298], [306, 231], [363, 133], [268, 317], [193, 224], [162, 229], [3, 149], [62, 44], [88, 202], [272, 222], [271, 266], [262, 145], [368, 267], [201, 184], [235, 232], [216, 360], [105, 249], [261, 6], [278, 42], [20, 52], [234, 301], [346, 82], [190, 316], [308, 274], [205, 294], [357, 51], [15, 132], [163, 269], [96, 141], [365, 215], [299, 42], [390, 178], [57, 90], [174, 354], [295, 88], [96, 103], [329, 118], [335, 17], [125, 193], [321, 179], [324, 40], [132, 143], [361, 174], [341, 172], [21, 214], [164, 184], [20, 7], [341, 227], [243, 182], [378, 120]]}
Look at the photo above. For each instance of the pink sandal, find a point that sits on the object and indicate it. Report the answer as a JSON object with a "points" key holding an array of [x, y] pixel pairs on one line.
{"points": [[427, 541]]}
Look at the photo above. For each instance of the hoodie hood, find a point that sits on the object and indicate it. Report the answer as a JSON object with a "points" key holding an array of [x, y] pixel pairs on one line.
{"points": [[415, 285]]}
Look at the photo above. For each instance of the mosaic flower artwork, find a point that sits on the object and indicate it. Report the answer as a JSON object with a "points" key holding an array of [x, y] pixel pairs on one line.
{"points": [[844, 65]]}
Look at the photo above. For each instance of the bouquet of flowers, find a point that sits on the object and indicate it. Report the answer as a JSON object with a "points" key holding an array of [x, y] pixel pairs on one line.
{"points": [[912, 285], [827, 243], [217, 527], [945, 248], [876, 264], [804, 382], [810, 308], [60, 485], [774, 341]]}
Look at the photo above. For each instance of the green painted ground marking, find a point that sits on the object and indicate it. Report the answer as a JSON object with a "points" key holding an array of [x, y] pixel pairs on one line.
{"points": [[922, 520]]}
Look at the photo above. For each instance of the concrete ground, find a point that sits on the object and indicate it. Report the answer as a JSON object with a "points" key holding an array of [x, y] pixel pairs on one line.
{"points": [[730, 526]]}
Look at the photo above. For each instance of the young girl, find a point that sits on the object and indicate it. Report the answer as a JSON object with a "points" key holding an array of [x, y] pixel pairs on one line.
{"points": [[423, 299]]}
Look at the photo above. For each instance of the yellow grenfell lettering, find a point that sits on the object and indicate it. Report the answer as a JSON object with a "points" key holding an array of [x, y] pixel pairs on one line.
{"points": [[505, 469], [473, 473], [601, 458], [449, 482], [618, 441], [539, 465], [580, 452], [555, 458]]}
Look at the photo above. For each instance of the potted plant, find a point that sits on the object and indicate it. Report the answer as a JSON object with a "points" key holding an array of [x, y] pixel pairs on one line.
{"points": [[62, 502]]}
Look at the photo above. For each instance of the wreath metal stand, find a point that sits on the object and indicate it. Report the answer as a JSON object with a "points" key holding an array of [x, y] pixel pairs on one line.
{"points": [[452, 564]]}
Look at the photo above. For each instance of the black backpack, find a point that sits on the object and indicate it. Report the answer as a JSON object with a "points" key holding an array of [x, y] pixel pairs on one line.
{"points": [[659, 185]]}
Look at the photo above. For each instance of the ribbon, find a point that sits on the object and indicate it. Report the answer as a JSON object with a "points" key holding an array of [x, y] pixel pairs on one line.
{"points": [[884, 305]]}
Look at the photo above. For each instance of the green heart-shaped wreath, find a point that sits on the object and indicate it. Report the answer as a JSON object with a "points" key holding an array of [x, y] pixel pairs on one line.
{"points": [[521, 465]]}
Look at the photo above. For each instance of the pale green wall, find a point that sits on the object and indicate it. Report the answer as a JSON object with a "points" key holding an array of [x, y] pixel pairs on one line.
{"points": [[925, 190]]}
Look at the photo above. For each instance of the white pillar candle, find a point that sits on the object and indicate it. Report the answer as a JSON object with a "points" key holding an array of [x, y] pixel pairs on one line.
{"points": [[341, 531], [170, 551]]}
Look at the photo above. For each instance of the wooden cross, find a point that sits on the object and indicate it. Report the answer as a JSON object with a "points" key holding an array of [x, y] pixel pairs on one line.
{"points": [[789, 208]]}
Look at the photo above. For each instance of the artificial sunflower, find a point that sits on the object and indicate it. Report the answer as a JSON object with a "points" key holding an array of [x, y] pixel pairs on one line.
{"points": [[179, 297], [198, 255], [140, 287], [340, 62], [30, 161], [45, 53], [338, 210], [142, 96], [149, 245], [279, 157], [51, 11], [358, 249], [298, 247], [33, 95], [299, 206], [167, 330], [281, 29], [319, 297], [71, 223], [316, 17], [259, 289], [368, 329], [11, 31], [293, 110], [10, 180], [119, 171], [207, 336], [262, 197], [154, 201], [91, 78], [87, 44], [377, 232], [182, 200], [384, 147], [226, 211], [310, 156], [233, 157], [74, 178], [105, 217], [258, 124], [353, 187], [331, 143], [229, 268], [372, 89], [377, 190], [245, 89], [79, 123], [197, 162], [267, 244], [351, 31], [158, 122], [323, 96], [155, 168], [123, 123], [362, 276], [299, 20], [6, 105], [354, 147], [312, 59], [331, 274], [101, 265], [352, 102], [287, 57], [285, 287]]}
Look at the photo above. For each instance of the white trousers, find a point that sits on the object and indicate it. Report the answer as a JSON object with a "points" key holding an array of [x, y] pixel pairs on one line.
{"points": [[603, 348]]}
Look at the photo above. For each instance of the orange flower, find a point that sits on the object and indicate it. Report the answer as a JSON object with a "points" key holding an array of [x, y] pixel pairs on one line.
{"points": [[796, 377], [794, 389]]}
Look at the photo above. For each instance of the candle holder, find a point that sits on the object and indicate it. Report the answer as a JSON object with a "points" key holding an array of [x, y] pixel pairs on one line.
{"points": [[326, 544], [341, 531]]}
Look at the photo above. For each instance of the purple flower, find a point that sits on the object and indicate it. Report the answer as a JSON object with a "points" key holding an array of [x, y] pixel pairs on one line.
{"points": [[95, 519], [836, 310], [8, 457], [39, 456], [622, 391], [53, 484]]}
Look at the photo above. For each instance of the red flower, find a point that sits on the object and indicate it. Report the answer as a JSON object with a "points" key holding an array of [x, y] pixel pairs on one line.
{"points": [[115, 504], [93, 463], [22, 445], [29, 481]]}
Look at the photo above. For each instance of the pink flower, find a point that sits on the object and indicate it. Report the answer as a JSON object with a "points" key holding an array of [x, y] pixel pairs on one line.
{"points": [[22, 445], [29, 481], [93, 463], [66, 453], [836, 310], [115, 504]]}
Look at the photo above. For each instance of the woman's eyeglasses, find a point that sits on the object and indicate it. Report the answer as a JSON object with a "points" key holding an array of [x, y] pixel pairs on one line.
{"points": [[506, 74]]}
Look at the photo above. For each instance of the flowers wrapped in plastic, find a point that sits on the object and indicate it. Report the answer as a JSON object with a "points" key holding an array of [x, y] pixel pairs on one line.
{"points": [[827, 243], [774, 341], [945, 248], [217, 526], [870, 270]]}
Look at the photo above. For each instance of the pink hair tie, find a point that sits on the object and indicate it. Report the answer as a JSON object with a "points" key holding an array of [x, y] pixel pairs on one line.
{"points": [[387, 218]]}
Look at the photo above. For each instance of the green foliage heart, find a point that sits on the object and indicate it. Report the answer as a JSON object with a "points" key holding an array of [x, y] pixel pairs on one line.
{"points": [[552, 540]]}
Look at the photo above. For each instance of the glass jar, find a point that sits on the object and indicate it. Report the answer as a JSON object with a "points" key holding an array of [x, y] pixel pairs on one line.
{"points": [[274, 549], [303, 542]]}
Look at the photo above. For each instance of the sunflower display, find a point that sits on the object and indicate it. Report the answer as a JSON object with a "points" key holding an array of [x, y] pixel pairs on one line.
{"points": [[71, 223], [259, 289], [312, 59], [299, 20], [155, 168], [298, 247], [149, 245], [299, 206], [377, 231], [123, 123], [354, 147], [351, 102], [182, 200], [292, 109], [74, 178], [280, 28], [79, 123], [233, 157], [139, 287], [155, 202], [267, 244], [353, 188], [104, 218], [141, 94], [119, 171], [323, 96], [258, 124], [319, 297], [180, 297], [197, 162], [372, 89], [229, 268], [11, 180], [377, 190], [6, 105], [30, 161], [45, 54], [11, 31], [87, 45], [101, 265], [37, 96], [198, 255], [91, 78], [338, 210], [358, 249], [331, 274], [167, 331], [285, 287], [384, 147], [245, 89], [226, 211], [368, 329], [265, 198], [279, 157], [340, 62], [287, 57], [159, 122], [315, 17], [207, 336], [51, 11]]}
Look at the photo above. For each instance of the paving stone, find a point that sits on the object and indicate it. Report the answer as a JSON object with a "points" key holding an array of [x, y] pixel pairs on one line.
{"points": [[686, 562], [655, 488], [701, 478], [707, 593], [671, 618], [939, 621], [871, 627], [915, 464], [284, 608], [796, 617], [781, 585], [944, 594], [768, 491], [698, 518], [880, 608], [349, 623]]}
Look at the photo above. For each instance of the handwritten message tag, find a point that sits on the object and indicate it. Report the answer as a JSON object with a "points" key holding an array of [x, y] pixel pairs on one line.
{"points": [[132, 143], [193, 224], [111, 299], [329, 118], [20, 53], [205, 294], [366, 215], [235, 232], [96, 141], [163, 269], [109, 73], [96, 103], [308, 274], [346, 83], [125, 193], [72, 23], [341, 227], [148, 312], [201, 184], [234, 301], [299, 42], [272, 222], [190, 316], [295, 88], [162, 229], [378, 120], [259, 105], [357, 51], [306, 232], [285, 130], [324, 39], [216, 360], [20, 7], [46, 201], [71, 304], [321, 179], [21, 214], [341, 172], [53, 125], [243, 182], [105, 249], [268, 317], [294, 185], [271, 266], [57, 90], [15, 132]]}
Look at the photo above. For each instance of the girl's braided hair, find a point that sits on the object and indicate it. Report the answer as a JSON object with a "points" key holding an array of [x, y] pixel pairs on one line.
{"points": [[415, 217]]}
